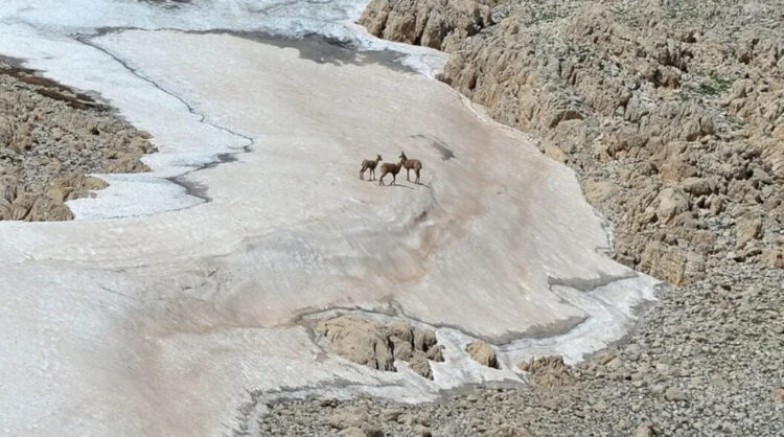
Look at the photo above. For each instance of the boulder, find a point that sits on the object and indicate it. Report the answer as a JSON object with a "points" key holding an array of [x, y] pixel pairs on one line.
{"points": [[548, 372], [508, 431], [778, 395], [352, 432], [698, 186], [598, 191], [46, 209], [377, 345], [8, 188], [345, 419], [419, 364], [664, 262], [773, 258], [671, 202], [483, 354], [749, 229], [646, 430], [360, 341]]}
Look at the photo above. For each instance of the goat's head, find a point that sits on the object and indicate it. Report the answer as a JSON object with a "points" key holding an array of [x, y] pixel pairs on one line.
{"points": [[403, 156], [378, 157]]}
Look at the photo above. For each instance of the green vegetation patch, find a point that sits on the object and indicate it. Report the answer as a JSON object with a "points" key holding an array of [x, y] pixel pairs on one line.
{"points": [[715, 85]]}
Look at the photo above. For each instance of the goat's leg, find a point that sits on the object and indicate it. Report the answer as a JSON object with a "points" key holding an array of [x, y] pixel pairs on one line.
{"points": [[372, 174], [362, 175], [381, 179], [408, 171], [417, 177]]}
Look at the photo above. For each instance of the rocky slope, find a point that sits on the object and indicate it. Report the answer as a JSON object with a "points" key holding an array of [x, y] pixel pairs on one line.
{"points": [[672, 115], [670, 111], [51, 138]]}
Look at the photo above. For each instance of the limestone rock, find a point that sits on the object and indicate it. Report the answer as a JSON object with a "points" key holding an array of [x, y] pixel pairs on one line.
{"points": [[598, 191], [436, 24], [778, 395], [377, 345], [671, 202], [674, 394], [483, 354], [646, 430], [353, 422], [20, 209], [698, 186], [422, 431], [5, 210], [345, 419], [749, 229], [360, 341], [548, 372], [773, 258], [424, 339], [47, 209], [419, 364], [8, 188], [352, 432], [664, 262]]}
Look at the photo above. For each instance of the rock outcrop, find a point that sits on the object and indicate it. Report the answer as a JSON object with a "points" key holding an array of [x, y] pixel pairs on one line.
{"points": [[377, 345], [778, 395], [438, 24], [548, 372], [51, 138], [483, 354]]}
